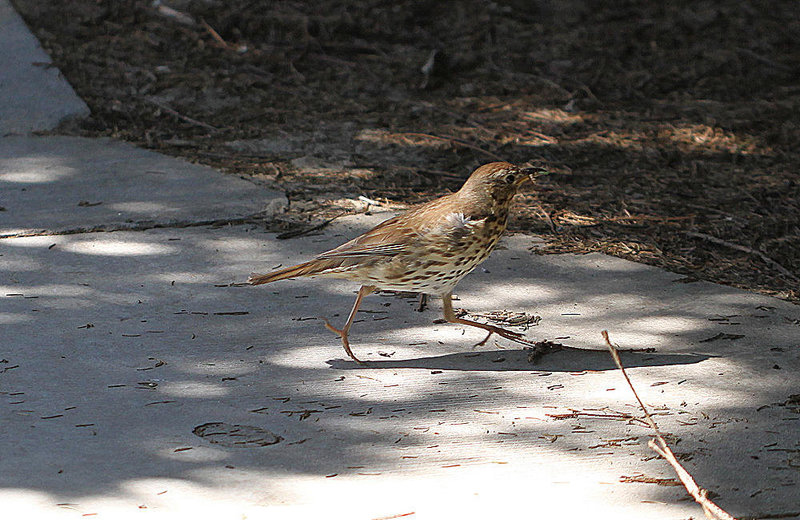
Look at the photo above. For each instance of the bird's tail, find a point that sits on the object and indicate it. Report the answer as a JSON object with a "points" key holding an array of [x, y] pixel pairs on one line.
{"points": [[304, 269]]}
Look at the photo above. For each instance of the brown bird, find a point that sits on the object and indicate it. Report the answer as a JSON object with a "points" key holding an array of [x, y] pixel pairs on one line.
{"points": [[428, 249]]}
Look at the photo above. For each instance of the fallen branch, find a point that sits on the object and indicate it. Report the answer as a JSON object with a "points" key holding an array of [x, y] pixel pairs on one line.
{"points": [[659, 445], [548, 217], [763, 59], [215, 35], [745, 249], [619, 416], [177, 114], [304, 231]]}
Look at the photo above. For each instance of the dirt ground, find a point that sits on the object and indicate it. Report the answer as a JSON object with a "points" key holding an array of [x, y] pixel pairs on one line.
{"points": [[672, 127]]}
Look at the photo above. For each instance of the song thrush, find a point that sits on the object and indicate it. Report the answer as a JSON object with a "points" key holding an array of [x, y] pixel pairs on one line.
{"points": [[428, 249]]}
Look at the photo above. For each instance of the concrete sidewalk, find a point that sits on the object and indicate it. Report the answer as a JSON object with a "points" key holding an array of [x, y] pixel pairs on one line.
{"points": [[74, 184], [138, 376], [33, 94], [120, 345]]}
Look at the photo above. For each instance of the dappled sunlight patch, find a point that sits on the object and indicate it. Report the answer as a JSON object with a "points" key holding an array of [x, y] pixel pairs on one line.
{"points": [[506, 296], [192, 454], [542, 401], [235, 245], [413, 340], [38, 241], [686, 137], [303, 355], [49, 290], [183, 277], [142, 207], [10, 318], [659, 326], [117, 248], [708, 138], [13, 232], [533, 297], [465, 472], [598, 304], [33, 170], [638, 336], [193, 389], [20, 502], [601, 262], [447, 491], [553, 115], [386, 137], [202, 493]]}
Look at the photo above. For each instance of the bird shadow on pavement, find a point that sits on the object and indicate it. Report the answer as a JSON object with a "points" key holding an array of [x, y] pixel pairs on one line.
{"points": [[567, 359]]}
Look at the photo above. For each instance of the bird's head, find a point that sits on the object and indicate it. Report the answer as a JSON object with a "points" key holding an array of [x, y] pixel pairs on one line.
{"points": [[501, 179]]}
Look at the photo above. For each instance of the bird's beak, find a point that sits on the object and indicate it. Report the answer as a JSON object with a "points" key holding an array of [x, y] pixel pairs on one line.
{"points": [[533, 173]]}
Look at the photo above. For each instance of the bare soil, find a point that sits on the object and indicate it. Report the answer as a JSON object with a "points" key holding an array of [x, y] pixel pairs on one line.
{"points": [[672, 127]]}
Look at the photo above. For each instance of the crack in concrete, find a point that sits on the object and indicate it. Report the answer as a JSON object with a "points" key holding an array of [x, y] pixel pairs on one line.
{"points": [[142, 226]]}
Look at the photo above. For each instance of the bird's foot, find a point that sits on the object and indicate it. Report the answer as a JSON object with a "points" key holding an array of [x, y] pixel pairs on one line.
{"points": [[503, 333], [342, 333], [333, 329]]}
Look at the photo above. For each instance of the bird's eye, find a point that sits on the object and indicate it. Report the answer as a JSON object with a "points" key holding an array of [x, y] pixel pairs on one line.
{"points": [[511, 178]]}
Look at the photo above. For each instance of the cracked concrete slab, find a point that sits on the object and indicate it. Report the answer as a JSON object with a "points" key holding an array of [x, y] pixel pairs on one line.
{"points": [[127, 354], [65, 184], [34, 96]]}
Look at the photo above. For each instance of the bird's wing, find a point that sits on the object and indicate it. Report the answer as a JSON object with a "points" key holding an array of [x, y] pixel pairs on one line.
{"points": [[388, 238], [436, 221], [396, 235]]}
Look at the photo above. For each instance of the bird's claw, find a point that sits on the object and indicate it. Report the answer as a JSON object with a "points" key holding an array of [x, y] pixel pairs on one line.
{"points": [[503, 333], [345, 343], [333, 329]]}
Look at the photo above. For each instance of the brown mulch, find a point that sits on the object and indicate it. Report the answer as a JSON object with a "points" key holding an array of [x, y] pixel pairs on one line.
{"points": [[666, 122]]}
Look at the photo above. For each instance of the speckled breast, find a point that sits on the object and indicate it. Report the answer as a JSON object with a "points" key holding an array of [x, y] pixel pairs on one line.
{"points": [[437, 266]]}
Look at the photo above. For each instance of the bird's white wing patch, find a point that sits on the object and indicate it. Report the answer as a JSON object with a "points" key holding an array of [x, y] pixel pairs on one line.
{"points": [[461, 221], [457, 225]]}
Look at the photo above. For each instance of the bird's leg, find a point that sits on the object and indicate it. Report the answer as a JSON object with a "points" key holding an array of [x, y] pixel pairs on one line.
{"points": [[449, 315], [365, 290], [423, 302]]}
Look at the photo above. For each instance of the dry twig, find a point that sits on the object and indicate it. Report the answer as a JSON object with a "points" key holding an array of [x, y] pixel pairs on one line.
{"points": [[304, 231], [763, 59], [548, 217], [177, 114], [745, 249], [659, 445], [215, 35]]}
